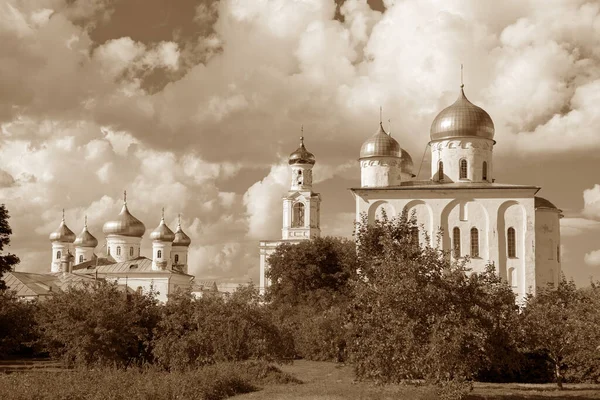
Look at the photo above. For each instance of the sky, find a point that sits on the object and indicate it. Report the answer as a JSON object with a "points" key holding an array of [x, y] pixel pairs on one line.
{"points": [[195, 106]]}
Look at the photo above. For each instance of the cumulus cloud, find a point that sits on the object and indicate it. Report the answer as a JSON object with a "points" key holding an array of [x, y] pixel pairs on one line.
{"points": [[592, 258], [591, 200]]}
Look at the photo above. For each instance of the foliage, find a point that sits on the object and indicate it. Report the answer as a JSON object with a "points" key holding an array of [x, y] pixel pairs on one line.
{"points": [[197, 332], [562, 324], [7, 261], [314, 272], [98, 325], [415, 313], [210, 383], [17, 324]]}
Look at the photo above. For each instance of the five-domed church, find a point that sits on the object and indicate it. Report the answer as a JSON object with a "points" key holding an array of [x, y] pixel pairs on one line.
{"points": [[490, 222]]}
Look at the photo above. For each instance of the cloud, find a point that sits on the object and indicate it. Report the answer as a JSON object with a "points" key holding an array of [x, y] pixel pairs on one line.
{"points": [[591, 200], [592, 258], [575, 226]]}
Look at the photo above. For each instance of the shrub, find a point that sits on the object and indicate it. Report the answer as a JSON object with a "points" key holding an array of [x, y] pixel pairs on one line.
{"points": [[17, 324]]}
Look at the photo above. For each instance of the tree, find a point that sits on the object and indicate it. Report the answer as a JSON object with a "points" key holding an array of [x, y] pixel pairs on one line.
{"points": [[562, 324], [7, 261], [98, 325], [17, 324], [315, 271], [417, 314]]}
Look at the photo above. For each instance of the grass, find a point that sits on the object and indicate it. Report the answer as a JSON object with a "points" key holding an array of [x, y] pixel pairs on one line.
{"points": [[329, 381], [211, 383]]}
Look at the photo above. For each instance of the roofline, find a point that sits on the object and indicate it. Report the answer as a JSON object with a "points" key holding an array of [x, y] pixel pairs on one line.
{"points": [[461, 137], [446, 187]]}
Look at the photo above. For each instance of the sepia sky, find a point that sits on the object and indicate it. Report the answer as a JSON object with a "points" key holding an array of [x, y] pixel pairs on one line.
{"points": [[195, 105]]}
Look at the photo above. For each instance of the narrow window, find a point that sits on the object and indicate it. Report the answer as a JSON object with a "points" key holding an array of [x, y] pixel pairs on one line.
{"points": [[159, 254], [298, 215], [463, 169], [456, 242], [58, 253], [81, 258], [108, 251], [484, 171], [131, 251], [474, 242], [176, 258], [440, 171], [512, 277], [118, 250], [512, 243], [558, 253]]}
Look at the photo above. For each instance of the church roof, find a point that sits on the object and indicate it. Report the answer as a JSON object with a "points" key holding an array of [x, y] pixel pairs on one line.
{"points": [[542, 203], [124, 224], [301, 155], [139, 265], [27, 284], [435, 185], [380, 145]]}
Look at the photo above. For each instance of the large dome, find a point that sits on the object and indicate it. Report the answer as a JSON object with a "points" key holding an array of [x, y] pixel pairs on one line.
{"points": [[62, 234], [301, 155], [125, 225], [462, 119], [380, 145]]}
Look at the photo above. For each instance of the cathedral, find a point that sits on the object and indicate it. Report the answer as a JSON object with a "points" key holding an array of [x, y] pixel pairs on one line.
{"points": [[74, 261], [502, 224]]}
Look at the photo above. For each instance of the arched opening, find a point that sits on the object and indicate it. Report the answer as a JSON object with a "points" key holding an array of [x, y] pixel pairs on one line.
{"points": [[58, 254], [81, 258], [474, 242], [159, 254], [440, 171], [512, 277], [131, 251], [108, 251], [463, 169], [511, 242], [176, 258], [484, 171], [298, 215], [118, 250], [456, 242]]}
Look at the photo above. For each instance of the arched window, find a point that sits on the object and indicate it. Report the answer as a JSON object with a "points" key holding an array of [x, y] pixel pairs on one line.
{"points": [[463, 169], [140, 290], [474, 242], [176, 258], [131, 251], [511, 242], [159, 254], [456, 242], [440, 171], [81, 258], [484, 171], [118, 250], [512, 277], [298, 215], [58, 254]]}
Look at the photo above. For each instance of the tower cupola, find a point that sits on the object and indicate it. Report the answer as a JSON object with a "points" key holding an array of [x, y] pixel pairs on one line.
{"points": [[61, 239], [162, 242], [85, 244]]}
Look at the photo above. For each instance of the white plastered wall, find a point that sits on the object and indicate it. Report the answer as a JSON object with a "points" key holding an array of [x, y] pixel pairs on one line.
{"points": [[63, 247], [451, 151], [380, 172], [547, 248], [86, 252], [126, 243]]}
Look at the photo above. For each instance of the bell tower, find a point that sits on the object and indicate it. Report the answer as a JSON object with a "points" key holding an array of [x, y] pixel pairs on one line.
{"points": [[301, 206]]}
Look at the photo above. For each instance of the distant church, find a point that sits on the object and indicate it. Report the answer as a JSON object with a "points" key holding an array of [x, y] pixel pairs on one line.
{"points": [[503, 224], [164, 273]]}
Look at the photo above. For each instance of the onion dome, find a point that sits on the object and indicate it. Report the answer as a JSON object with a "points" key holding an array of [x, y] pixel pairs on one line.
{"points": [[85, 238], [406, 162], [540, 202], [63, 233], [67, 257], [462, 119], [181, 239], [380, 145], [125, 224], [162, 232], [301, 155]]}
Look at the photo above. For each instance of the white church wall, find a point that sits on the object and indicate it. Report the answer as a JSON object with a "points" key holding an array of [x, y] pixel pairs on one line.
{"points": [[59, 249], [424, 218], [380, 172], [83, 254], [547, 247], [123, 248], [451, 151]]}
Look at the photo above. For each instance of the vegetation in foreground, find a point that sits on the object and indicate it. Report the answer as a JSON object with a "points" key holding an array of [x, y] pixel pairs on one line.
{"points": [[214, 382]]}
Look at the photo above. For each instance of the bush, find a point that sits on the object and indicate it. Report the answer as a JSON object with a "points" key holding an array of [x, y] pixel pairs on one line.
{"points": [[197, 332], [98, 325], [17, 325]]}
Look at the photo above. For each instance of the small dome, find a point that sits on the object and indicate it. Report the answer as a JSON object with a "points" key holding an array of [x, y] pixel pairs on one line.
{"points": [[63, 233], [125, 225], [462, 119], [540, 202], [86, 239], [301, 155], [406, 162], [162, 232], [181, 239], [67, 257], [380, 145]]}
